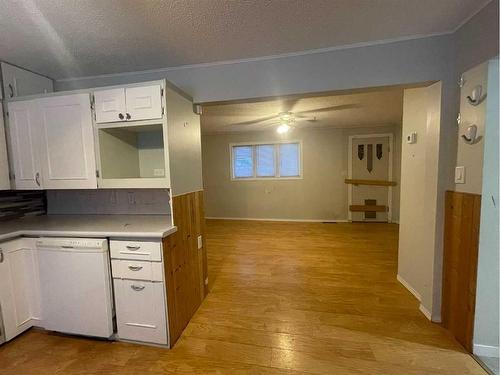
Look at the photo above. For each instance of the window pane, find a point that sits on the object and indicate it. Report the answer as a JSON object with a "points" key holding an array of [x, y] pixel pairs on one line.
{"points": [[289, 160], [243, 161], [265, 161]]}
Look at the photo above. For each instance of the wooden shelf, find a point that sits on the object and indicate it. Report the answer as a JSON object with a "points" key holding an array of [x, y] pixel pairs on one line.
{"points": [[365, 208], [370, 182]]}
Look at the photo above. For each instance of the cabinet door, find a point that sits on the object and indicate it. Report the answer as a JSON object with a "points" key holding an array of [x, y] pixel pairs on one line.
{"points": [[68, 159], [4, 163], [19, 287], [143, 103], [24, 137], [21, 82], [140, 311], [110, 105]]}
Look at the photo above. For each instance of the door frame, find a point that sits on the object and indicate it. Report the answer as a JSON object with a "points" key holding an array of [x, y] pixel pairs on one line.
{"points": [[349, 170]]}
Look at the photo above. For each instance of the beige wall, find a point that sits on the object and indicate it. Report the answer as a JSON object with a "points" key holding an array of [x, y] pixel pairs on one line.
{"points": [[471, 156], [320, 195], [417, 265]]}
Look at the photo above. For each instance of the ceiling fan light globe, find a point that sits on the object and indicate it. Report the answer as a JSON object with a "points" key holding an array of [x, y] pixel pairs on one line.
{"points": [[283, 128]]}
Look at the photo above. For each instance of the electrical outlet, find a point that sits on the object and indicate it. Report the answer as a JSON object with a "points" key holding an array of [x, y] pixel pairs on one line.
{"points": [[131, 198], [159, 172], [200, 242]]}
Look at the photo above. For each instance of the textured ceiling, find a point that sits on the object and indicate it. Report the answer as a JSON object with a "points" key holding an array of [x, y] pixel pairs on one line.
{"points": [[72, 38], [364, 109]]}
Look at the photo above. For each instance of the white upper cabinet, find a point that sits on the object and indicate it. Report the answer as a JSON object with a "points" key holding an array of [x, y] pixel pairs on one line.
{"points": [[21, 82], [143, 103], [67, 142], [24, 137], [110, 105], [128, 104]]}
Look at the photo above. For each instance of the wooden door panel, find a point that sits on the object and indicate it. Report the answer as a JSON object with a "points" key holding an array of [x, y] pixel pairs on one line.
{"points": [[461, 242]]}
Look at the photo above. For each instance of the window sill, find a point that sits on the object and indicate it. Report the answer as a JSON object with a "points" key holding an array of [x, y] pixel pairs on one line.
{"points": [[266, 178]]}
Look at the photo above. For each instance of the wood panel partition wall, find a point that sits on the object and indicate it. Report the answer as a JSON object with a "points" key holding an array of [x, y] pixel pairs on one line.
{"points": [[461, 244], [185, 264]]}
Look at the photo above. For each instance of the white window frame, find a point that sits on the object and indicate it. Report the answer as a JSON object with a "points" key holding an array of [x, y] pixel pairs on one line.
{"points": [[276, 160]]}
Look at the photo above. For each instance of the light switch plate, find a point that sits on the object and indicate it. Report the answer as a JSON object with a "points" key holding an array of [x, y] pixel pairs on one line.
{"points": [[460, 175], [200, 242]]}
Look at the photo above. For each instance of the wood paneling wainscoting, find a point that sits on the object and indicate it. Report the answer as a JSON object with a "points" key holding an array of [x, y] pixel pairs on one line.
{"points": [[461, 243], [185, 264]]}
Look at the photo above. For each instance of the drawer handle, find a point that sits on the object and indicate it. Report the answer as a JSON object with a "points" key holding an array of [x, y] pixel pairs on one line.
{"points": [[133, 248], [137, 288], [135, 268]]}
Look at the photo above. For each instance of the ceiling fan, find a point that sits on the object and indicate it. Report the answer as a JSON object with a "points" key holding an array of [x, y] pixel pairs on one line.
{"points": [[287, 119]]}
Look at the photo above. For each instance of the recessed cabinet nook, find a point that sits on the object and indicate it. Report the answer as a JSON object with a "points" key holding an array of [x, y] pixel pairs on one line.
{"points": [[117, 137]]}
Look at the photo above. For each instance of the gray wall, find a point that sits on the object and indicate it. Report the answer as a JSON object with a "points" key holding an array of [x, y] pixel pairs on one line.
{"points": [[384, 64], [486, 328], [320, 195]]}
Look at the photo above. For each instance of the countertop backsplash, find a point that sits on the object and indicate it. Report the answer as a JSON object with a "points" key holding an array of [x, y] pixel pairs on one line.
{"points": [[109, 202], [16, 204]]}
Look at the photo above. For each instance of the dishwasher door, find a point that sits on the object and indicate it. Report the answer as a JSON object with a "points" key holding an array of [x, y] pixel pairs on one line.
{"points": [[75, 286]]}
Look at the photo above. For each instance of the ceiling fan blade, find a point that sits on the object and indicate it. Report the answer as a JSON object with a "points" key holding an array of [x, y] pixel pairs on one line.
{"points": [[253, 122], [328, 109], [288, 104]]}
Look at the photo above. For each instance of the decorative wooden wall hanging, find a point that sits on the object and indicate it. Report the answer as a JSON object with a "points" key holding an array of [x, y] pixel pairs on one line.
{"points": [[361, 152], [379, 151], [369, 158]]}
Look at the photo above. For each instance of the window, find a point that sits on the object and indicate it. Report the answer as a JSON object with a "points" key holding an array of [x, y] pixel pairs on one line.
{"points": [[266, 160]]}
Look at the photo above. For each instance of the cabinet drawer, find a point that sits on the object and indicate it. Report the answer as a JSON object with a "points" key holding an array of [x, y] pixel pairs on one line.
{"points": [[137, 270], [140, 311], [135, 250]]}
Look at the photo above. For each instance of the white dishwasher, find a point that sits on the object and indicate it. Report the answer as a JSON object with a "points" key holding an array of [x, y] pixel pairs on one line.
{"points": [[76, 286]]}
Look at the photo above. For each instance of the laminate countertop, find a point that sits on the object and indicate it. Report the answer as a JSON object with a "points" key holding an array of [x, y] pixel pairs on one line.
{"points": [[116, 226]]}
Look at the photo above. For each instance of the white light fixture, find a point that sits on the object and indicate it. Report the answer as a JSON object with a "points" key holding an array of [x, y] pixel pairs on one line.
{"points": [[283, 128]]}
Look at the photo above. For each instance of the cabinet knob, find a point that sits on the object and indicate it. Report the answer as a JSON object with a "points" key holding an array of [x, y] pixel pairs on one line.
{"points": [[137, 288], [128, 116], [11, 89], [37, 178], [120, 116]]}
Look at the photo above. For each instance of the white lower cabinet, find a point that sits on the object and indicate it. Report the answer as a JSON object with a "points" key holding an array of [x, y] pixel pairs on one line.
{"points": [[140, 296], [19, 286], [140, 311]]}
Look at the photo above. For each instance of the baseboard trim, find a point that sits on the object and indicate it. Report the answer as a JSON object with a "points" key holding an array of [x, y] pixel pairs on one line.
{"points": [[486, 350], [426, 312], [276, 219], [409, 287]]}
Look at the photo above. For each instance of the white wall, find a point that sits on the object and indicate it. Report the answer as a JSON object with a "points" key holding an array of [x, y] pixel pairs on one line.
{"points": [[486, 327], [320, 195], [419, 175], [471, 156]]}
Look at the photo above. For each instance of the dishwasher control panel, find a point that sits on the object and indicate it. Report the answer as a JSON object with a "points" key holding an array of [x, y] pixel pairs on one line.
{"points": [[76, 243]]}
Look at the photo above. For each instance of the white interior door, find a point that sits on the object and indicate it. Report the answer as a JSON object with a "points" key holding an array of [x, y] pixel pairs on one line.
{"points": [[370, 161], [67, 142], [110, 105], [24, 137], [143, 102]]}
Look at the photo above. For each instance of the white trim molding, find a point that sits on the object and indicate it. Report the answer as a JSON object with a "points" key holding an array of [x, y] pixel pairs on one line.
{"points": [[409, 287], [278, 219], [426, 312], [486, 350]]}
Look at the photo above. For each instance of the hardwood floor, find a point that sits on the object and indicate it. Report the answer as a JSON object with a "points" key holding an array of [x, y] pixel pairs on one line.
{"points": [[285, 298]]}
